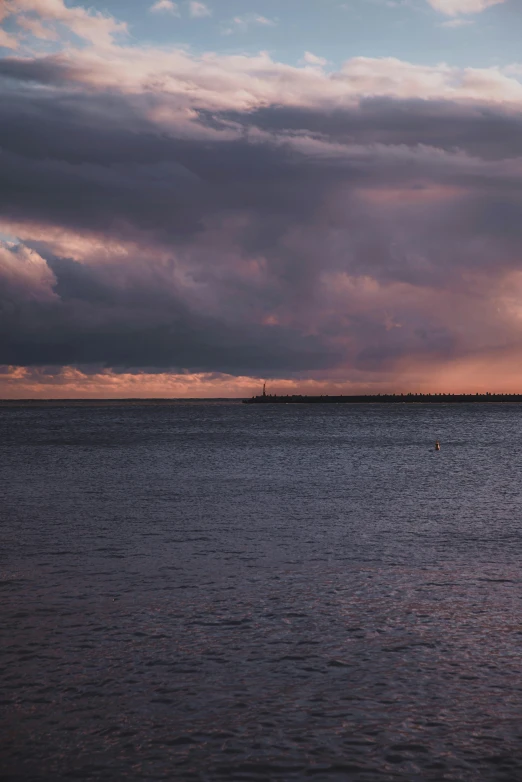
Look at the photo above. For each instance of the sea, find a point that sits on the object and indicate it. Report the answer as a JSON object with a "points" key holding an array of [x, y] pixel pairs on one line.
{"points": [[206, 590]]}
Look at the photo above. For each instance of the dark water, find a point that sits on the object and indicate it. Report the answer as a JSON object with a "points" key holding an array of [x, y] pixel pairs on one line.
{"points": [[225, 592]]}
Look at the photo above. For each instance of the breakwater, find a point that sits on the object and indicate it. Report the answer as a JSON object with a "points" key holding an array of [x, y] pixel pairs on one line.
{"points": [[429, 399]]}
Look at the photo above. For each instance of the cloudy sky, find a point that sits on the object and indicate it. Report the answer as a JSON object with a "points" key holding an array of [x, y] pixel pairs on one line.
{"points": [[198, 196]]}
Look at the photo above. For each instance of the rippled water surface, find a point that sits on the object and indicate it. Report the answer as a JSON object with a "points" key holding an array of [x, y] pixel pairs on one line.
{"points": [[231, 592]]}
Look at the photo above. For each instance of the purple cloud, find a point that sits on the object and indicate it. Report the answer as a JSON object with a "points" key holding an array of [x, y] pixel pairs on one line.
{"points": [[344, 231]]}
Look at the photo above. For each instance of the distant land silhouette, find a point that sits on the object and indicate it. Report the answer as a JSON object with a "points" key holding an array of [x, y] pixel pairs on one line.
{"points": [[429, 399]]}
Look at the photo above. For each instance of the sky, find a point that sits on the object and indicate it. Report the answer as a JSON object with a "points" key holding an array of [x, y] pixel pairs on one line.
{"points": [[197, 197]]}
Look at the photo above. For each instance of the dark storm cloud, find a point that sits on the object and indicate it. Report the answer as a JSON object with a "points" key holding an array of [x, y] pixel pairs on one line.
{"points": [[50, 70], [265, 215], [61, 164], [490, 132], [93, 322], [93, 173]]}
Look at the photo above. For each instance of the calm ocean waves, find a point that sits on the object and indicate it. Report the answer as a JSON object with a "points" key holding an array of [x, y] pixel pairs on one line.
{"points": [[227, 592]]}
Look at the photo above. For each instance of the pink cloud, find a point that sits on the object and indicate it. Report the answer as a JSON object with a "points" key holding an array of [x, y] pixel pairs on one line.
{"points": [[495, 372], [189, 224], [35, 27], [25, 274], [96, 28], [8, 41], [198, 10], [455, 7]]}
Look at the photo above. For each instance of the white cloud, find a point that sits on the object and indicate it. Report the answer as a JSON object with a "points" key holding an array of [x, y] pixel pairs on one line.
{"points": [[313, 59], [455, 23], [184, 82], [34, 26], [198, 10], [7, 41], [242, 23], [90, 25], [456, 7], [4, 11], [165, 6]]}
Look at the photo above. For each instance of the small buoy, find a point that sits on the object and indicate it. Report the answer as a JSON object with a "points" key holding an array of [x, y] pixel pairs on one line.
{"points": [[437, 446]]}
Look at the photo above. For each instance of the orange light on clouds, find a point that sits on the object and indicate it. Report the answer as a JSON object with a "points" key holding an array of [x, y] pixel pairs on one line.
{"points": [[493, 372]]}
